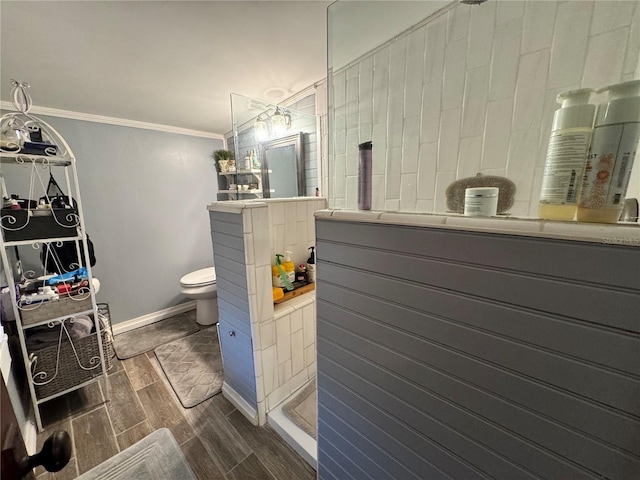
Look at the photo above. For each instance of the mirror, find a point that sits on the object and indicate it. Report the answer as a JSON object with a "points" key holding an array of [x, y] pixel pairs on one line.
{"points": [[284, 160], [268, 130]]}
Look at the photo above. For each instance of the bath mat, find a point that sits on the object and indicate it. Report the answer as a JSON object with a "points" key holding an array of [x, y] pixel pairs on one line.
{"points": [[147, 338], [156, 456], [303, 409], [193, 366]]}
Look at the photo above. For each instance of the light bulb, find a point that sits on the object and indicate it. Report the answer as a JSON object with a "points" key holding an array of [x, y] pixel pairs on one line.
{"points": [[260, 130]]}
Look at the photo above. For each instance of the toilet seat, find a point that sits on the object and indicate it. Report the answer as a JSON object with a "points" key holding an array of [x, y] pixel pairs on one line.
{"points": [[199, 278]]}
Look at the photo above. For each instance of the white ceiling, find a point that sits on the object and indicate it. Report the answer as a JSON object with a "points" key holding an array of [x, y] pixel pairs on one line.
{"points": [[167, 62]]}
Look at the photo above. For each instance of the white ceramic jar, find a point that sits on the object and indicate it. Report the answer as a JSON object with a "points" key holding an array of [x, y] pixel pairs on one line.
{"points": [[481, 201]]}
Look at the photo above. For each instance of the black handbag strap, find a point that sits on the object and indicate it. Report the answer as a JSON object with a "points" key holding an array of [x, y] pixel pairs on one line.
{"points": [[53, 189]]}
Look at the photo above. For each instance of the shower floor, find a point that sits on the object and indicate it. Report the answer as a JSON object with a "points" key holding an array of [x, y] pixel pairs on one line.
{"points": [[303, 443]]}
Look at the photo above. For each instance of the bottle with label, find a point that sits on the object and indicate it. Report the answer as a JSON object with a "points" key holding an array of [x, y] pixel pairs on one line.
{"points": [[311, 266], [289, 267], [613, 150], [567, 154], [279, 274]]}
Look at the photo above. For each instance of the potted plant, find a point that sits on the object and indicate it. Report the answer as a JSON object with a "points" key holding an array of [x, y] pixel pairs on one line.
{"points": [[222, 159]]}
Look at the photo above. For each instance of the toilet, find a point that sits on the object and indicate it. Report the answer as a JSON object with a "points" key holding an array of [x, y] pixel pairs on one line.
{"points": [[201, 286]]}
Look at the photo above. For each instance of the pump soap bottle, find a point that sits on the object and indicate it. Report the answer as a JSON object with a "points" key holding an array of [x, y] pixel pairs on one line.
{"points": [[289, 267], [567, 154], [613, 150], [311, 266]]}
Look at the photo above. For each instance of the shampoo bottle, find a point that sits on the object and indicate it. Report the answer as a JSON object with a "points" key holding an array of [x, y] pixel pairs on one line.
{"points": [[289, 267], [311, 266], [365, 171], [613, 150], [279, 274], [567, 154]]}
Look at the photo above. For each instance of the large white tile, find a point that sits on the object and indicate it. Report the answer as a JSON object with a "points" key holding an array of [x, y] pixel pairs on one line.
{"points": [[394, 164], [352, 192], [454, 73], [312, 369], [309, 325], [392, 204], [353, 139], [301, 207], [469, 157], [475, 102], [395, 119], [269, 369], [283, 338], [509, 10], [431, 107], [339, 89], [397, 64], [632, 59], [425, 206], [309, 355], [522, 162], [261, 236], [537, 30], [340, 131], [535, 191], [443, 180], [365, 95], [610, 15], [285, 371], [249, 254], [298, 380], [377, 192], [278, 395], [496, 138], [268, 334], [449, 140], [481, 31], [297, 352], [410, 145], [380, 86], [530, 90], [458, 23], [427, 170], [504, 64], [302, 244], [246, 220], [569, 43], [408, 192], [379, 153], [296, 320], [264, 285], [340, 175], [414, 72], [605, 58], [434, 51], [251, 279]]}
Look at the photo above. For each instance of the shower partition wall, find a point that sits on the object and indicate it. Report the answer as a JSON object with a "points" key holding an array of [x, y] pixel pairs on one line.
{"points": [[471, 88]]}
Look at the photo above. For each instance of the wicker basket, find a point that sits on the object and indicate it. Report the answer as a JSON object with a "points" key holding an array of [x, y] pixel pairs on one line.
{"points": [[66, 306], [69, 373]]}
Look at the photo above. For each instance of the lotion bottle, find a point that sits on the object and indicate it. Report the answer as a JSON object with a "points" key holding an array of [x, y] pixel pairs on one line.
{"points": [[311, 266], [567, 154], [613, 150]]}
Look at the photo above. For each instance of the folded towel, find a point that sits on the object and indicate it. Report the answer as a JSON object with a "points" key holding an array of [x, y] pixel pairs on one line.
{"points": [[80, 327], [43, 337]]}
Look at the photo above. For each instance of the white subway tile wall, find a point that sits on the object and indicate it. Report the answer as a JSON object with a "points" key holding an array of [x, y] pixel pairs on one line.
{"points": [[472, 91], [283, 337]]}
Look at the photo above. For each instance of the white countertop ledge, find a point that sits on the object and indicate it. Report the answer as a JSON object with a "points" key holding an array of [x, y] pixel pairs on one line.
{"points": [[622, 233]]}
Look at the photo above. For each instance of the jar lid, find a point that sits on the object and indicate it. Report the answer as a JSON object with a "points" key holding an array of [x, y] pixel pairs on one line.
{"points": [[481, 192]]}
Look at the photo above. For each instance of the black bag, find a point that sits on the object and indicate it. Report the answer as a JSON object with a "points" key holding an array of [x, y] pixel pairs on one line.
{"points": [[63, 256]]}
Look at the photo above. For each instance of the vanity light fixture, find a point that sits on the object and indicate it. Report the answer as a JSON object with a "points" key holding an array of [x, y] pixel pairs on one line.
{"points": [[279, 123], [260, 129]]}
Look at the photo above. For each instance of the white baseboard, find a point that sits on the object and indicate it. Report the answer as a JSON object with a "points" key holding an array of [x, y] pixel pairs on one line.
{"points": [[153, 317], [303, 443], [240, 403]]}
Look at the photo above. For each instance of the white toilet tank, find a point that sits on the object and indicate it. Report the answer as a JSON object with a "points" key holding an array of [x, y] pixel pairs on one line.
{"points": [[199, 278]]}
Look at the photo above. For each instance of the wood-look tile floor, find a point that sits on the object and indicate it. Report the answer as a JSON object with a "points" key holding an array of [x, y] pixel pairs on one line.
{"points": [[217, 440]]}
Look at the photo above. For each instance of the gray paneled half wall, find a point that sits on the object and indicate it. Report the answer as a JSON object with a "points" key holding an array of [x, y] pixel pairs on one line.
{"points": [[453, 354]]}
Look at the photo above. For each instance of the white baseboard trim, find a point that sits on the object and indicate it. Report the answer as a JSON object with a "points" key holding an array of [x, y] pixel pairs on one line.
{"points": [[304, 444], [153, 317], [240, 403]]}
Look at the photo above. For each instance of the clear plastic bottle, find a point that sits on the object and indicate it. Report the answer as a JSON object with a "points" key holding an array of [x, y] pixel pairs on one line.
{"points": [[567, 154], [613, 150]]}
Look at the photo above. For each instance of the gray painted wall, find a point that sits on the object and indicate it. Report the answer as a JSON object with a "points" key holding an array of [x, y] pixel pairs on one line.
{"points": [[144, 197], [448, 354], [233, 304]]}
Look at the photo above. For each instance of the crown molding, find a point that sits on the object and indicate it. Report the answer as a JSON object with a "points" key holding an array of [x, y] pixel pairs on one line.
{"points": [[122, 122]]}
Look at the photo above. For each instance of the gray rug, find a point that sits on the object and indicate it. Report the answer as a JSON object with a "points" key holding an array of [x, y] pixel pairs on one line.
{"points": [[147, 338], [157, 456], [193, 366], [303, 409]]}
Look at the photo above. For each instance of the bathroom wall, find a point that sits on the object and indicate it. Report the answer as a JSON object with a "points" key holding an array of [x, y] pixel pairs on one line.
{"points": [[470, 91], [143, 194], [445, 353], [281, 338]]}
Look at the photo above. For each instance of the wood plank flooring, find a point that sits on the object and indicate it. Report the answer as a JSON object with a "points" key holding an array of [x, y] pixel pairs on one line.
{"points": [[217, 440]]}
